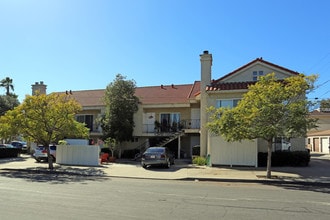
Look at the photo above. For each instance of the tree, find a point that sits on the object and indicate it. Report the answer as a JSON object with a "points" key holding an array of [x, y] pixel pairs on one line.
{"points": [[7, 103], [271, 108], [44, 119], [7, 83], [121, 104], [325, 105]]}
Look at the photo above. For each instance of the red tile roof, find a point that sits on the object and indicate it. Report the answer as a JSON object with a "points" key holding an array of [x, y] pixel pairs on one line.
{"points": [[88, 98], [166, 94], [171, 94], [229, 86]]}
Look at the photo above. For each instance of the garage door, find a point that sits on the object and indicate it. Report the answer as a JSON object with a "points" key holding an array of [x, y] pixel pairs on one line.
{"points": [[325, 145]]}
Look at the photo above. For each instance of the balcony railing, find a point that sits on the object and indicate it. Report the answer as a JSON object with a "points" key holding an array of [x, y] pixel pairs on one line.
{"points": [[183, 124]]}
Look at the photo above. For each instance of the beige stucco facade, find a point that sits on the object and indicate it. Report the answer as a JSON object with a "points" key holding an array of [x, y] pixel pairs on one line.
{"points": [[229, 88], [192, 112]]}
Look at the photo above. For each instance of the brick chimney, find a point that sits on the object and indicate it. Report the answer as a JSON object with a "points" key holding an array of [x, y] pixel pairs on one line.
{"points": [[39, 87]]}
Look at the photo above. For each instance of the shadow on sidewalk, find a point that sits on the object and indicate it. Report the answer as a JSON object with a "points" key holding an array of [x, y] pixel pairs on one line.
{"points": [[14, 159], [60, 175]]}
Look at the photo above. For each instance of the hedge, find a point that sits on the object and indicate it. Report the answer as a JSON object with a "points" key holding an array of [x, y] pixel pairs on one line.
{"points": [[285, 158], [9, 152]]}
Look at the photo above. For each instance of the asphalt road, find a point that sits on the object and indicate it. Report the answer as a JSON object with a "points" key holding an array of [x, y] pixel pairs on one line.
{"points": [[53, 196]]}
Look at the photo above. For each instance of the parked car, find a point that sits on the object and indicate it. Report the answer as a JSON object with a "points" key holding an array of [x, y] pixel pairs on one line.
{"points": [[6, 146], [40, 153], [161, 156], [20, 144]]}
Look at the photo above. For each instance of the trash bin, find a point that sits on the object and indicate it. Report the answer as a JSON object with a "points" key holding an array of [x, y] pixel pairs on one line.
{"points": [[208, 160]]}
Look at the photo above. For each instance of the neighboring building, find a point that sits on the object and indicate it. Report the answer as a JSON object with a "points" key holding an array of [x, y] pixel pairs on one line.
{"points": [[167, 114], [318, 139], [176, 115]]}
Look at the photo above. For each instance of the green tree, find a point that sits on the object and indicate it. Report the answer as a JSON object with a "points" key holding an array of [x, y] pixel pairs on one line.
{"points": [[7, 103], [44, 119], [325, 105], [121, 104], [271, 108], [7, 83]]}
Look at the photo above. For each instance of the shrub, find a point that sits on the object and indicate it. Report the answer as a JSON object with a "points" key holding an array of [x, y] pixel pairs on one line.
{"points": [[199, 161], [9, 152], [285, 158]]}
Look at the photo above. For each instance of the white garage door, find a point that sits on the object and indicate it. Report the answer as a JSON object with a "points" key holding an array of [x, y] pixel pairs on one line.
{"points": [[325, 145]]}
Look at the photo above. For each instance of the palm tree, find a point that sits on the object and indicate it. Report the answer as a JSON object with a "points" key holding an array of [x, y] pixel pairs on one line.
{"points": [[8, 84]]}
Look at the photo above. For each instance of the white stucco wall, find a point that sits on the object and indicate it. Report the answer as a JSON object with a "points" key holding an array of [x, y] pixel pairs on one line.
{"points": [[233, 154], [78, 155]]}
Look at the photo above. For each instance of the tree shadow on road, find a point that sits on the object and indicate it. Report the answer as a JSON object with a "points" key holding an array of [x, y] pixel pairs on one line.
{"points": [[60, 175], [313, 187]]}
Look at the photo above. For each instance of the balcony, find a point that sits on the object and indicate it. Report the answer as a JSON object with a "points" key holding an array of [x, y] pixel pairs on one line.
{"points": [[188, 126]]}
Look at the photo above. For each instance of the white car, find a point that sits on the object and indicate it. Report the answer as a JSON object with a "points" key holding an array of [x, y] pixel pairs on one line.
{"points": [[40, 153]]}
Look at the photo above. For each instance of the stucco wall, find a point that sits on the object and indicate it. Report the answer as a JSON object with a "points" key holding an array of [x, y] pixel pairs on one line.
{"points": [[78, 155], [233, 154], [246, 75]]}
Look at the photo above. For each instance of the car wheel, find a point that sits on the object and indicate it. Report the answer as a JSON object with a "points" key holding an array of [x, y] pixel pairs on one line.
{"points": [[38, 160], [143, 165]]}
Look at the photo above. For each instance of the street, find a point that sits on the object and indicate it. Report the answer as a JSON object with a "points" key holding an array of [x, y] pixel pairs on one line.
{"points": [[42, 196]]}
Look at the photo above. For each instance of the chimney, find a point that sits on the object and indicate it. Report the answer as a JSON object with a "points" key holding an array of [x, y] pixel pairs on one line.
{"points": [[39, 88], [206, 64]]}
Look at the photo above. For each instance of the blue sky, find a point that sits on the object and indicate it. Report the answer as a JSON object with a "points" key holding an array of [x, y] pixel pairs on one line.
{"points": [[83, 44]]}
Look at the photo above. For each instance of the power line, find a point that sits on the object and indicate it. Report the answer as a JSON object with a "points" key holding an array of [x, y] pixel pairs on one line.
{"points": [[319, 61]]}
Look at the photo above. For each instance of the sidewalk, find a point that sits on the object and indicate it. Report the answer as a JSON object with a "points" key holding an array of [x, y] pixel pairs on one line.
{"points": [[318, 172]]}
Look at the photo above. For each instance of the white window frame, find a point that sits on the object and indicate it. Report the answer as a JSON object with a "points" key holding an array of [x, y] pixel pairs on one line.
{"points": [[234, 102], [257, 74]]}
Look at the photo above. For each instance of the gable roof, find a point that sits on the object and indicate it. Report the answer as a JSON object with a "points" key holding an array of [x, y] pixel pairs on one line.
{"points": [[175, 94], [163, 94], [167, 94], [218, 84], [88, 98]]}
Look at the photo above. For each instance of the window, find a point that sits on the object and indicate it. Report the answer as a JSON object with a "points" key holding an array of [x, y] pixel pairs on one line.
{"points": [[169, 121], [87, 119], [231, 103], [257, 74]]}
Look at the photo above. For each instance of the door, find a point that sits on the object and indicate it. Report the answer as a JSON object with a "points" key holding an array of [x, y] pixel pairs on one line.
{"points": [[195, 118], [325, 145], [149, 122]]}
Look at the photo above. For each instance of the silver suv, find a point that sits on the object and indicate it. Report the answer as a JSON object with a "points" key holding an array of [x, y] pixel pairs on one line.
{"points": [[40, 153]]}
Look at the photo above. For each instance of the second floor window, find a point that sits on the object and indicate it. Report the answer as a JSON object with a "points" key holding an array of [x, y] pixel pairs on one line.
{"points": [[87, 119], [231, 103], [169, 121]]}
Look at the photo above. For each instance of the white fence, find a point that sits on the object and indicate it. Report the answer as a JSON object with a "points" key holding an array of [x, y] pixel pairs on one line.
{"points": [[87, 155]]}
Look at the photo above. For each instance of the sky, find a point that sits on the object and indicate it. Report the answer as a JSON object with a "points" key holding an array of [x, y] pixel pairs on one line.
{"points": [[84, 44]]}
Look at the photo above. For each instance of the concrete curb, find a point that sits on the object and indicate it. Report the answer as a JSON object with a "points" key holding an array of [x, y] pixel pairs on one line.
{"points": [[197, 179]]}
